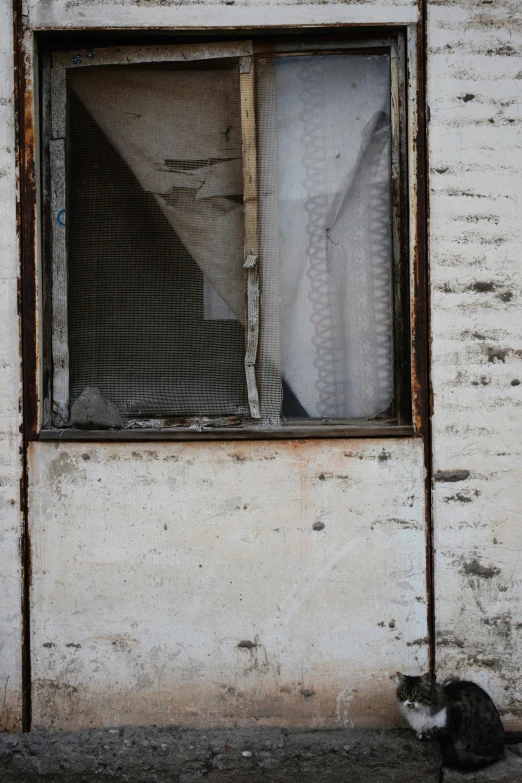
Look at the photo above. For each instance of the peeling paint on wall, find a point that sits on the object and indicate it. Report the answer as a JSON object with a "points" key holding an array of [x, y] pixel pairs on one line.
{"points": [[475, 95], [157, 14], [10, 395]]}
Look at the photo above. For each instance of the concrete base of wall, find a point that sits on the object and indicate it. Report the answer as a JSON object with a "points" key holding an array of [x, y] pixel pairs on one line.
{"points": [[239, 756]]}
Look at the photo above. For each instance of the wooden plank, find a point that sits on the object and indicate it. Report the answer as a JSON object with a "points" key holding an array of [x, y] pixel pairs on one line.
{"points": [[269, 353], [395, 112], [252, 334], [224, 433], [60, 342], [415, 196], [402, 339], [130, 55], [251, 241], [333, 43], [58, 103], [45, 320]]}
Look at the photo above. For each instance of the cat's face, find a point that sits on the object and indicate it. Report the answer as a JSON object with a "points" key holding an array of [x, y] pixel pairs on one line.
{"points": [[414, 692]]}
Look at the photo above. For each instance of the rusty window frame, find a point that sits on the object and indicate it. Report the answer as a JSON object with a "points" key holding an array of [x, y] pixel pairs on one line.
{"points": [[403, 110]]}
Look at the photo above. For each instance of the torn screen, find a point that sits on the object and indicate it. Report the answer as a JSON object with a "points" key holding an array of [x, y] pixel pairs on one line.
{"points": [[179, 132], [155, 239]]}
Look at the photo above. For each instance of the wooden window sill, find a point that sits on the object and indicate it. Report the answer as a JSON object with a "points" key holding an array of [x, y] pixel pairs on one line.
{"points": [[289, 432]]}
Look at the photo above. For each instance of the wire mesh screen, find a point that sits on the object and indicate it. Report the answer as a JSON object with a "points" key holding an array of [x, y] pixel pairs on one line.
{"points": [[155, 239]]}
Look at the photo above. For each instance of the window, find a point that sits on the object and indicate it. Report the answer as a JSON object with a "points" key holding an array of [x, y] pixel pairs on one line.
{"points": [[228, 246]]}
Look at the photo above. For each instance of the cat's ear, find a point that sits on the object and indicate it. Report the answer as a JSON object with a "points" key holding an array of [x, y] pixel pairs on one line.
{"points": [[401, 679], [426, 678]]}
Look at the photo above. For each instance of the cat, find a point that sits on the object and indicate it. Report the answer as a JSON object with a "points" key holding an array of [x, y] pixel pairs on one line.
{"points": [[459, 714]]}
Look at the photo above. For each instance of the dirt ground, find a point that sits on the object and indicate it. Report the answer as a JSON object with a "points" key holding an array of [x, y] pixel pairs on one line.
{"points": [[158, 755]]}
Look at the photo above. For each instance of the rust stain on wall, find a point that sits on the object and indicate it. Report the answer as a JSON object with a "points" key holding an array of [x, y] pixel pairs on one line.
{"points": [[222, 705]]}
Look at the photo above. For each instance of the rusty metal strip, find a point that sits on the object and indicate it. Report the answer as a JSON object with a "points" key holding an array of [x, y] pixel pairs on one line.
{"points": [[27, 307], [420, 310], [250, 206]]}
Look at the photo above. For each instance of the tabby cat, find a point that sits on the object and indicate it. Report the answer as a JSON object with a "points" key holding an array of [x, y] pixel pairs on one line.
{"points": [[459, 714]]}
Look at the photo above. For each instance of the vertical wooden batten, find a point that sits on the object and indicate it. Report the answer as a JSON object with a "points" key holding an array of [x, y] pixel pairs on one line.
{"points": [[60, 341], [250, 204], [399, 235]]}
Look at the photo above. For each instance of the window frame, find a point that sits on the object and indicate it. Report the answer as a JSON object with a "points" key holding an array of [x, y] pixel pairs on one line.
{"points": [[57, 406]]}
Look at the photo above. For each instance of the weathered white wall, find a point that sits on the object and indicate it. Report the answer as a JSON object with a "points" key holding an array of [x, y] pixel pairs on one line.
{"points": [[126, 625], [10, 458], [475, 98], [70, 14], [152, 563]]}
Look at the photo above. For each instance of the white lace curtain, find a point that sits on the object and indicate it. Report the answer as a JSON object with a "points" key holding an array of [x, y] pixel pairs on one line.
{"points": [[334, 232]]}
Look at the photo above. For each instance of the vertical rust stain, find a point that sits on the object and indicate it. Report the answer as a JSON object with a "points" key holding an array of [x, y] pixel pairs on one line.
{"points": [[26, 229], [421, 385], [26, 212]]}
